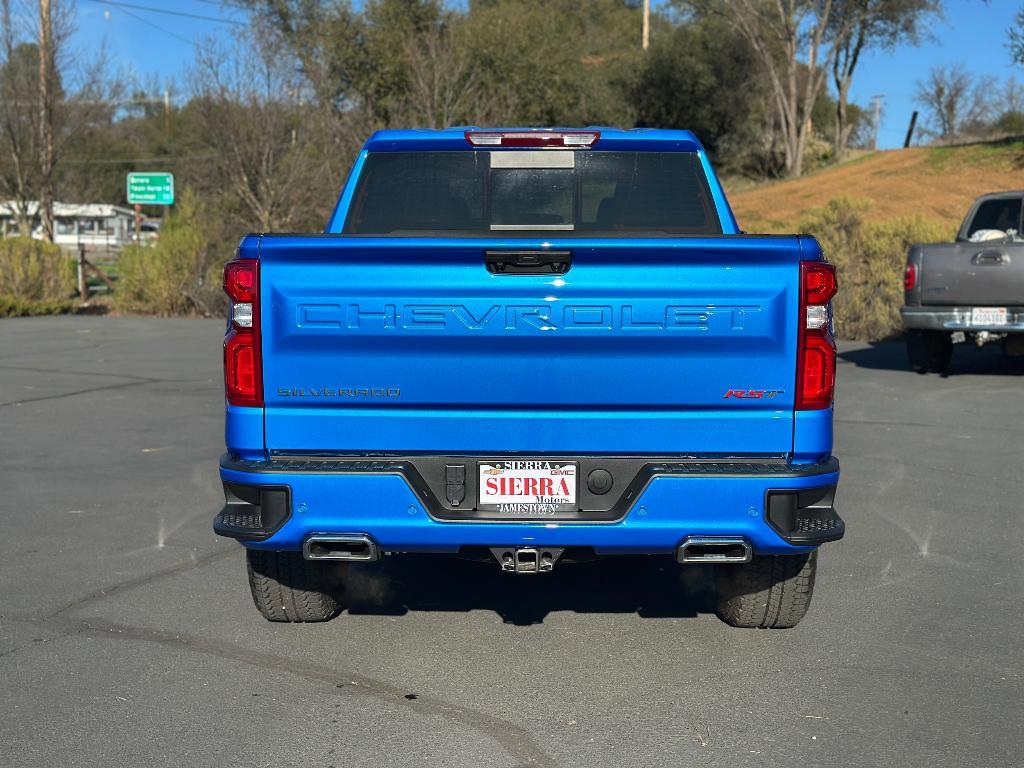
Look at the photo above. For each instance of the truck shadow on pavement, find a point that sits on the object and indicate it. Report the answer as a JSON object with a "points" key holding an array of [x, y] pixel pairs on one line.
{"points": [[651, 587], [989, 360]]}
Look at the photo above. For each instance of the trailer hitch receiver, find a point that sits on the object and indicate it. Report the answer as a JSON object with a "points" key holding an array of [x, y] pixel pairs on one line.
{"points": [[527, 560]]}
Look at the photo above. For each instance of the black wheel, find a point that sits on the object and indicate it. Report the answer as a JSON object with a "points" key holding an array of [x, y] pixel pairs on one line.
{"points": [[286, 587], [929, 350], [769, 592]]}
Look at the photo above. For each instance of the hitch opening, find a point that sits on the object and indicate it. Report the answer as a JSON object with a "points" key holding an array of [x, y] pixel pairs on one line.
{"points": [[527, 560]]}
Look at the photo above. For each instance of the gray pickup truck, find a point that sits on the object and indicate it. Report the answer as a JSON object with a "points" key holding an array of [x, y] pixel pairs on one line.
{"points": [[972, 289]]}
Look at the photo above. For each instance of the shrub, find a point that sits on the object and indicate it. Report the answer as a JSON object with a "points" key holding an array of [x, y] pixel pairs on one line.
{"points": [[15, 306], [869, 259], [32, 270], [180, 275]]}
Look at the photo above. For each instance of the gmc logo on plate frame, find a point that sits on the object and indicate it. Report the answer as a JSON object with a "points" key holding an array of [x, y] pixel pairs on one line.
{"points": [[753, 394]]}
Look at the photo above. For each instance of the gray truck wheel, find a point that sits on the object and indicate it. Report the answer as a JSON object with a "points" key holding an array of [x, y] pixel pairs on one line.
{"points": [[929, 350], [769, 592], [285, 587]]}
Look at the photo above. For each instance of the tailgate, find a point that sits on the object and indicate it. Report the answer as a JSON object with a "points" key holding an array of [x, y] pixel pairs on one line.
{"points": [[392, 346], [973, 274]]}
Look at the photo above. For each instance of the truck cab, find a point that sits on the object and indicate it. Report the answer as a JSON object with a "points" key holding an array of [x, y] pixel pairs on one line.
{"points": [[530, 347]]}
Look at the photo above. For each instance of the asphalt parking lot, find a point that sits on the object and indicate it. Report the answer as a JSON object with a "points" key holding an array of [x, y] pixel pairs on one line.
{"points": [[128, 637]]}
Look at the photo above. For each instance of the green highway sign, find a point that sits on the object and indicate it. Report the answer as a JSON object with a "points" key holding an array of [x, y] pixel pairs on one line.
{"points": [[151, 189]]}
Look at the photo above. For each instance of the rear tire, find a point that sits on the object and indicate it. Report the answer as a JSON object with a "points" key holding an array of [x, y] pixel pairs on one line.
{"points": [[769, 592], [929, 350], [286, 587]]}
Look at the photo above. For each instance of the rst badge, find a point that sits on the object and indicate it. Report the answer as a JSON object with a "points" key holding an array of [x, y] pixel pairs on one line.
{"points": [[753, 394], [527, 487]]}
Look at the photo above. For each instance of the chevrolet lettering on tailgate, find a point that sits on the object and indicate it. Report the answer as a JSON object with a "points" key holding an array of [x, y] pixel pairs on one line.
{"points": [[543, 317]]}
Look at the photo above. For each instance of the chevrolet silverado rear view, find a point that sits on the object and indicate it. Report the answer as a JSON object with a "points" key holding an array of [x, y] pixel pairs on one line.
{"points": [[530, 347]]}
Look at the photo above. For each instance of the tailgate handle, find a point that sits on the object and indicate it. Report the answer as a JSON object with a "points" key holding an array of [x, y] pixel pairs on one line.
{"points": [[991, 257], [528, 262]]}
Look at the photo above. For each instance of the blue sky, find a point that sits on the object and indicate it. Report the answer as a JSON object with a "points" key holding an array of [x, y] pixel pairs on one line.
{"points": [[973, 32]]}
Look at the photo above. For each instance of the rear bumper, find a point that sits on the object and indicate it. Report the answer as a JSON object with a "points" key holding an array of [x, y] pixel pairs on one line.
{"points": [[777, 508], [933, 318]]}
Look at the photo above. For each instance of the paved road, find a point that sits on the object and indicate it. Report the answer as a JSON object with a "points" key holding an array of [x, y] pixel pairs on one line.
{"points": [[127, 636]]}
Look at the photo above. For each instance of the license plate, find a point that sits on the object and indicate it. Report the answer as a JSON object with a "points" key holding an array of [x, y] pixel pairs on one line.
{"points": [[527, 487], [988, 316]]}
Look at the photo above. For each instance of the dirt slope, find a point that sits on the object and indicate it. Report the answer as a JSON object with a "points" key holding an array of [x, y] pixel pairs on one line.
{"points": [[939, 183]]}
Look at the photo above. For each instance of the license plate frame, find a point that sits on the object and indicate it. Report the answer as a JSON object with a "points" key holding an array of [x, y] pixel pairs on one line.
{"points": [[521, 502], [989, 316]]}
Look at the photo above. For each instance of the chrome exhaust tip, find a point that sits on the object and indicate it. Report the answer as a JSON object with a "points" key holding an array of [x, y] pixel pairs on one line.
{"points": [[340, 546], [714, 549]]}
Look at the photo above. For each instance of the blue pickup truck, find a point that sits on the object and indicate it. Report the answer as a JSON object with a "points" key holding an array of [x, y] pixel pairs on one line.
{"points": [[530, 347]]}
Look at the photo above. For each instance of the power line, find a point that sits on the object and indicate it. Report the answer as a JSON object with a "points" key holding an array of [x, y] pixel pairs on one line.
{"points": [[73, 102], [185, 14], [156, 26], [240, 6], [128, 160]]}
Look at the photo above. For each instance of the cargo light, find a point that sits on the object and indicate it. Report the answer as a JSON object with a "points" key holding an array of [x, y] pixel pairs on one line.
{"points": [[816, 349], [243, 364], [535, 139], [910, 277]]}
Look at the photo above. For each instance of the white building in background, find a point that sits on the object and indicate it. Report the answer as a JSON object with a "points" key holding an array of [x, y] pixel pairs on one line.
{"points": [[94, 226]]}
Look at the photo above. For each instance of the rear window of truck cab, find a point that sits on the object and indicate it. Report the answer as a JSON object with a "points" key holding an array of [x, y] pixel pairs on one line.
{"points": [[563, 193], [1001, 213]]}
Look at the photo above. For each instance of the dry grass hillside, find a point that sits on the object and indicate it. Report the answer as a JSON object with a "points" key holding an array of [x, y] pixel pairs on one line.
{"points": [[936, 183], [867, 212]]}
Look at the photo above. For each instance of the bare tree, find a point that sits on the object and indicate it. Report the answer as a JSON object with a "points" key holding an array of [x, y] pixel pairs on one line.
{"points": [[445, 87], [18, 127], [1013, 97], [796, 42], [954, 100], [39, 115], [264, 133], [862, 24]]}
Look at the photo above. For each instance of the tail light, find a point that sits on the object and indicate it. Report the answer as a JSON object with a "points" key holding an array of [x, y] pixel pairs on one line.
{"points": [[816, 349], [910, 277], [243, 365], [539, 139]]}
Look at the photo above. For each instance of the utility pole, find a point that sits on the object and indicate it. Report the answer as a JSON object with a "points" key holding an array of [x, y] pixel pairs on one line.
{"points": [[876, 117], [47, 95], [646, 39], [910, 130], [167, 113]]}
